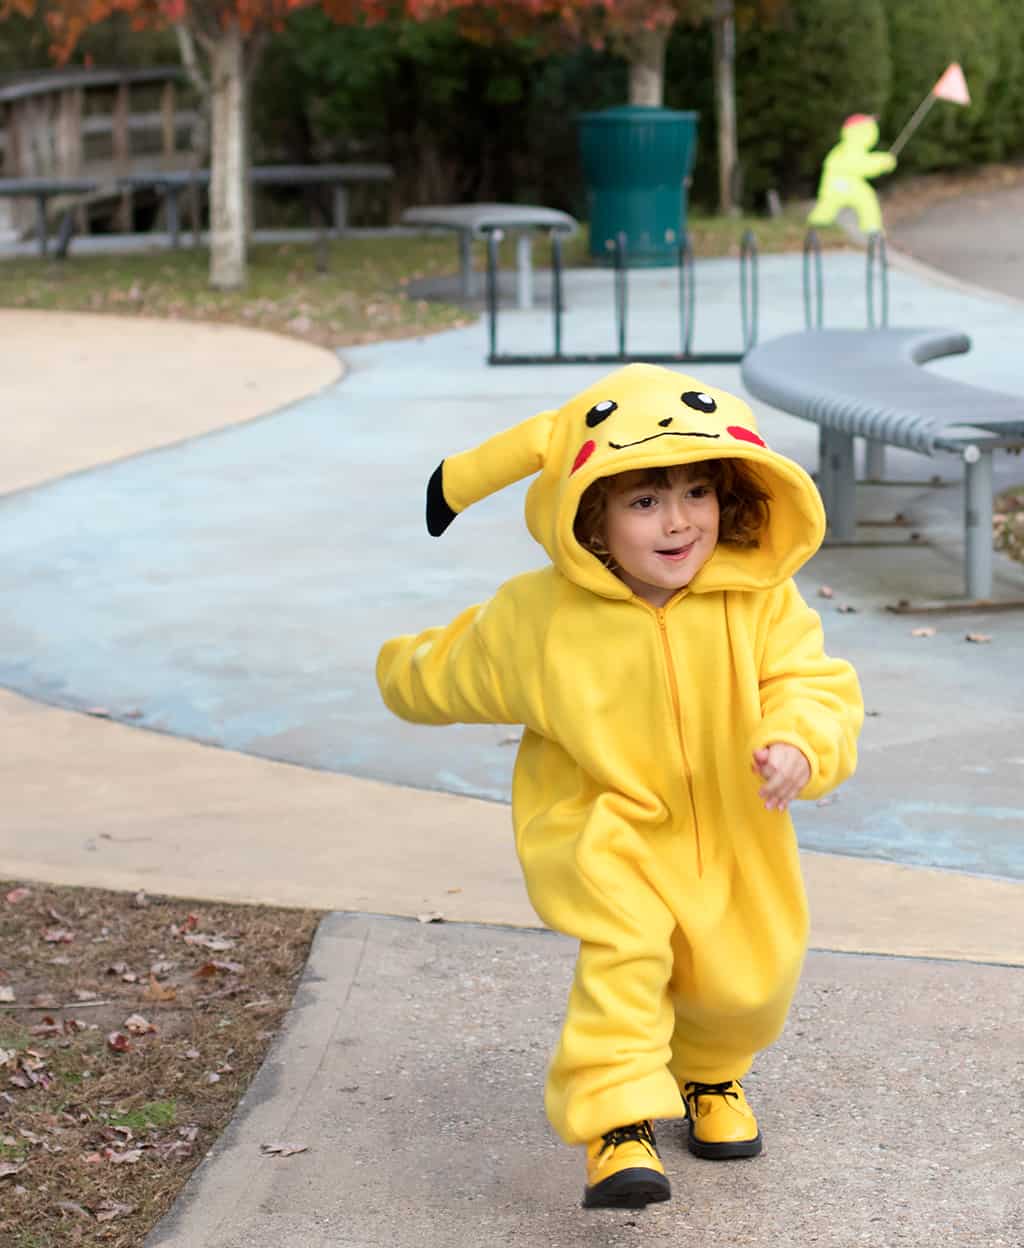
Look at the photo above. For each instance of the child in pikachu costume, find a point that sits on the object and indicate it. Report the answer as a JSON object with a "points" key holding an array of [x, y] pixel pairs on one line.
{"points": [[845, 172], [662, 657]]}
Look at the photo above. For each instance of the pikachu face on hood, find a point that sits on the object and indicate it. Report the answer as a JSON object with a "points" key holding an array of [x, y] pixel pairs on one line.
{"points": [[641, 416]]}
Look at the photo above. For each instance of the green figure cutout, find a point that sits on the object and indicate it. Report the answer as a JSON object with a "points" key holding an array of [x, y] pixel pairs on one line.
{"points": [[845, 172]]}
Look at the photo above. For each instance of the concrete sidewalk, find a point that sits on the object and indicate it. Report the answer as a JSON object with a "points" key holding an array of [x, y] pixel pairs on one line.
{"points": [[213, 585]]}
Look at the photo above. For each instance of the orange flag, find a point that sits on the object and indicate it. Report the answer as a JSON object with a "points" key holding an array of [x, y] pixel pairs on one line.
{"points": [[952, 86]]}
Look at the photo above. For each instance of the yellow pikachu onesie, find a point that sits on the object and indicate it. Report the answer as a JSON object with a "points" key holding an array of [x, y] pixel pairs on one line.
{"points": [[637, 818]]}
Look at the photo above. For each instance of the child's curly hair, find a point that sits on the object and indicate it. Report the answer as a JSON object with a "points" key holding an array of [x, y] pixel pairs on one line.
{"points": [[743, 502]]}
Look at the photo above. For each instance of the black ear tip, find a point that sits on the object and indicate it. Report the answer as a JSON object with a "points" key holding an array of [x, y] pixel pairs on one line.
{"points": [[439, 514]]}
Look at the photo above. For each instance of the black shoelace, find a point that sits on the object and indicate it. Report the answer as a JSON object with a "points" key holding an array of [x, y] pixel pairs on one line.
{"points": [[694, 1090], [636, 1132]]}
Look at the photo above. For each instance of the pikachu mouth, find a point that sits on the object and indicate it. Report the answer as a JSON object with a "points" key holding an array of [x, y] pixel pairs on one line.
{"points": [[668, 433]]}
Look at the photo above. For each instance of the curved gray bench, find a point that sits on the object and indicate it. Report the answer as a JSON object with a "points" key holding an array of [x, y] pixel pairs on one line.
{"points": [[869, 383], [472, 221]]}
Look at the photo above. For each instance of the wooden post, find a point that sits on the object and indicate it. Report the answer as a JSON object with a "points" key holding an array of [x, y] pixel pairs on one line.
{"points": [[168, 107], [724, 39], [121, 151]]}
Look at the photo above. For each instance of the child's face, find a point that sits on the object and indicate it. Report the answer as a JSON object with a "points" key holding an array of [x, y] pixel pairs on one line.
{"points": [[661, 537]]}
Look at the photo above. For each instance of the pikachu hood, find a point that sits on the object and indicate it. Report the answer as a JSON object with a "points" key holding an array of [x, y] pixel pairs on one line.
{"points": [[641, 416]]}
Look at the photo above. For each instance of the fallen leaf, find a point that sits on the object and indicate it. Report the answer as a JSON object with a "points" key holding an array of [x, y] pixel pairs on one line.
{"points": [[7, 1055], [7, 1168], [922, 632], [217, 943], [209, 969], [978, 638], [119, 1042], [83, 994], [48, 1027], [192, 1054], [128, 1157], [156, 991], [136, 1025], [435, 916], [826, 591], [72, 1206], [283, 1150], [17, 894], [117, 968], [211, 1076], [58, 935], [107, 1210], [6, 993]]}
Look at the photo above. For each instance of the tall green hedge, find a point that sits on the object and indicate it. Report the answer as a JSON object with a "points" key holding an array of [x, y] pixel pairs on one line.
{"points": [[797, 81], [924, 37]]}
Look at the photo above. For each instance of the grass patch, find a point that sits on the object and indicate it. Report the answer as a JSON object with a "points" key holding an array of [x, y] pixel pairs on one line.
{"points": [[362, 297], [152, 1114]]}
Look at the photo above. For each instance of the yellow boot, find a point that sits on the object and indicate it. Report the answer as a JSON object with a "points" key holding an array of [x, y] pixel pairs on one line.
{"points": [[722, 1124], [624, 1169]]}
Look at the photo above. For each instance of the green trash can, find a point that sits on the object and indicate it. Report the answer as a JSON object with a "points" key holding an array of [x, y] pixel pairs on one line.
{"points": [[637, 161]]}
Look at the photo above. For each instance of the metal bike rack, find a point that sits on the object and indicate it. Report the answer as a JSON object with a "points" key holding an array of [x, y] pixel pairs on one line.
{"points": [[877, 280], [749, 309]]}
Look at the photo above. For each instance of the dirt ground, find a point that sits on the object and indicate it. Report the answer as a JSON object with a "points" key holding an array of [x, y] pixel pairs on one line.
{"points": [[130, 1026]]}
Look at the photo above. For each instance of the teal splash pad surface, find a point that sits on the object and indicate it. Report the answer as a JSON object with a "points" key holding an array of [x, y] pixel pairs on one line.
{"points": [[235, 589]]}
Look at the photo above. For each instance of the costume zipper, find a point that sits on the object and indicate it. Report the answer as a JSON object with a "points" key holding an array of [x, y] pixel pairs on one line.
{"points": [[678, 717]]}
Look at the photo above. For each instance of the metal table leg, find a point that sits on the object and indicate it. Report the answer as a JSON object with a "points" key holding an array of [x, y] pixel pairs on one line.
{"points": [[978, 503], [41, 198], [466, 264], [524, 270]]}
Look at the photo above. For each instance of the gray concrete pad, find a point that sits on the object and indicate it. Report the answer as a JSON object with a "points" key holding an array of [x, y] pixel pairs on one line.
{"points": [[412, 1069]]}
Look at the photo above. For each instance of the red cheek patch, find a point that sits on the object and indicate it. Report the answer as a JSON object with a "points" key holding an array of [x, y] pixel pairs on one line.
{"points": [[745, 435], [584, 453]]}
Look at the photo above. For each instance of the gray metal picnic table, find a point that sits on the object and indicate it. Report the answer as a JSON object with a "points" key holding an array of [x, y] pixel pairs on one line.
{"points": [[42, 190], [475, 221]]}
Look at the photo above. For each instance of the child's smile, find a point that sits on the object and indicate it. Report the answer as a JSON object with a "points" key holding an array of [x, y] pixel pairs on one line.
{"points": [[661, 537]]}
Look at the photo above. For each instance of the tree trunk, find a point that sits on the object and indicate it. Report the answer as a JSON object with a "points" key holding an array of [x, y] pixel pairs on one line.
{"points": [[724, 27], [646, 57], [228, 166]]}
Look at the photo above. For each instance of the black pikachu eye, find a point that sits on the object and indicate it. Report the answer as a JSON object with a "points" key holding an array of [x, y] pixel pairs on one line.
{"points": [[699, 401], [600, 411]]}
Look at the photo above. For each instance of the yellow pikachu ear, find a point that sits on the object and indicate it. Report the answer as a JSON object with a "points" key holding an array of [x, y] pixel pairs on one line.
{"points": [[471, 475]]}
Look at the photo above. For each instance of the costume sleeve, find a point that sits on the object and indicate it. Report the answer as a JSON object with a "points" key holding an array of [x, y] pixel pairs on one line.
{"points": [[808, 699], [453, 674], [877, 163]]}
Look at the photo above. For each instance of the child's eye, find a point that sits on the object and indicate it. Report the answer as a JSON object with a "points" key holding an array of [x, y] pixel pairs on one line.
{"points": [[642, 504], [699, 491]]}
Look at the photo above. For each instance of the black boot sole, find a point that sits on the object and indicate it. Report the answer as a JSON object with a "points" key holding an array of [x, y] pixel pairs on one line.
{"points": [[728, 1151], [629, 1189]]}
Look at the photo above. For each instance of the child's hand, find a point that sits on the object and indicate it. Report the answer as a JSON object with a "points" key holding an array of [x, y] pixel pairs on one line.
{"points": [[785, 771]]}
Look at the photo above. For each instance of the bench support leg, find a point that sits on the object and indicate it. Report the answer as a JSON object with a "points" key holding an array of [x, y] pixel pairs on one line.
{"points": [[466, 264], [524, 271], [173, 216], [978, 504], [874, 460], [838, 482], [340, 209], [41, 223]]}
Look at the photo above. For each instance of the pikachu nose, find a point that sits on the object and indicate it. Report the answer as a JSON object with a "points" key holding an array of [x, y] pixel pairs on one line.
{"points": [[664, 424]]}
